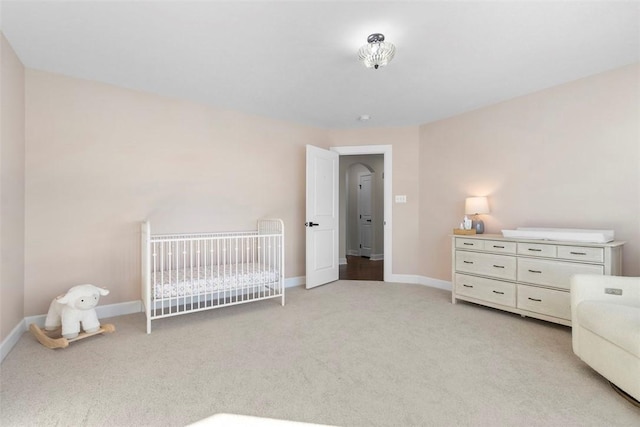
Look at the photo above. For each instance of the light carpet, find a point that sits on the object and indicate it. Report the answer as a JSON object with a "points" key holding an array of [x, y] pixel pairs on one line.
{"points": [[348, 353]]}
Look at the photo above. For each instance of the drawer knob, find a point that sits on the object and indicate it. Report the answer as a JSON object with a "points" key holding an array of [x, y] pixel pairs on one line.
{"points": [[498, 266], [535, 299], [535, 250], [535, 271], [578, 253], [468, 262], [467, 243], [499, 293], [467, 286], [498, 247]]}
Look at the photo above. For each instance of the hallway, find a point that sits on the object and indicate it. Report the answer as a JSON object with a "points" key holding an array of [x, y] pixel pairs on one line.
{"points": [[360, 268]]}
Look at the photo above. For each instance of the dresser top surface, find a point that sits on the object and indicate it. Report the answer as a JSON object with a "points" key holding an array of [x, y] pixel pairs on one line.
{"points": [[540, 241]]}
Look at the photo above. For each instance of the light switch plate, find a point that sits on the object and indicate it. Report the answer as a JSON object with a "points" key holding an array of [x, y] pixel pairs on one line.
{"points": [[401, 198]]}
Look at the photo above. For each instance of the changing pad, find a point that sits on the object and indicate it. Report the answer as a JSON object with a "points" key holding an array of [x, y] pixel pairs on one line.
{"points": [[562, 234]]}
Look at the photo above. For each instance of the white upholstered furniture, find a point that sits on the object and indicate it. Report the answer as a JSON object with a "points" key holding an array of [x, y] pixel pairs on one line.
{"points": [[233, 420], [605, 312], [528, 277]]}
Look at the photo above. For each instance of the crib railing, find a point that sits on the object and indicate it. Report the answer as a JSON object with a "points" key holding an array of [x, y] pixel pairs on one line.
{"points": [[199, 271]]}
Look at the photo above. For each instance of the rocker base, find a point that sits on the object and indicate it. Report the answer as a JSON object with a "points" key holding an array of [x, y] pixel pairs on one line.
{"points": [[52, 339]]}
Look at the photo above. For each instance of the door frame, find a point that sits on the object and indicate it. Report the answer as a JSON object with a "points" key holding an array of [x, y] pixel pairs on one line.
{"points": [[386, 151]]}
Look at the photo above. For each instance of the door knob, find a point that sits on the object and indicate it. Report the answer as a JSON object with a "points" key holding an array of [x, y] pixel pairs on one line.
{"points": [[310, 224]]}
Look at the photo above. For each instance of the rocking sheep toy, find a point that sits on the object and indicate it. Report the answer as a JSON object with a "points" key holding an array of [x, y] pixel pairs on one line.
{"points": [[69, 312]]}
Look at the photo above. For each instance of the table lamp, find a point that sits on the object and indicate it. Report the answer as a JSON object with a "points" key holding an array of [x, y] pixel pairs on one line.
{"points": [[476, 206]]}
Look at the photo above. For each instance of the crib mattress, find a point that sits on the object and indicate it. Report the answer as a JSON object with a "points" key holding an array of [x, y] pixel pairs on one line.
{"points": [[201, 280]]}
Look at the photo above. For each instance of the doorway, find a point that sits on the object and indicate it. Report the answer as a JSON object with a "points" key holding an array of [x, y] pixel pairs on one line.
{"points": [[362, 217], [361, 228], [328, 252]]}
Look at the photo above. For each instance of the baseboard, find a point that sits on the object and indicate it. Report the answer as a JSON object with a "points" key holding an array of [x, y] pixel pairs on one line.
{"points": [[351, 252], [113, 310], [397, 278], [103, 312], [292, 282], [421, 280], [12, 339]]}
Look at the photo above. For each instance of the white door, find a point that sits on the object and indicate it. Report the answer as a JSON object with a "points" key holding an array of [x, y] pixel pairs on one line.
{"points": [[322, 216], [364, 215]]}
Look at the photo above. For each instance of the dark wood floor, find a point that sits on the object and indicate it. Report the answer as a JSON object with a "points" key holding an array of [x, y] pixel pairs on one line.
{"points": [[359, 268]]}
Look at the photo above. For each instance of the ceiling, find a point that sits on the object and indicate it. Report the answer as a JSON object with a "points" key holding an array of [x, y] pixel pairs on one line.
{"points": [[297, 60]]}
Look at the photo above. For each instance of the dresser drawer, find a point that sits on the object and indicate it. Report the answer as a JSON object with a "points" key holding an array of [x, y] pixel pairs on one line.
{"points": [[469, 243], [489, 290], [498, 266], [552, 273], [581, 253], [537, 249], [545, 301], [500, 246]]}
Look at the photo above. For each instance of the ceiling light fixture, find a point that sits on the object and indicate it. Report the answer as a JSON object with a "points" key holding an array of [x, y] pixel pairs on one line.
{"points": [[376, 53]]}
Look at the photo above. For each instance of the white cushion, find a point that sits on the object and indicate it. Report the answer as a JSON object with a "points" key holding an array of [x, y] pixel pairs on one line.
{"points": [[617, 323], [233, 420]]}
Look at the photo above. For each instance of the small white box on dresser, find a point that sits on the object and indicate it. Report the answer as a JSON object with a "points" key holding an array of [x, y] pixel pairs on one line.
{"points": [[527, 277]]}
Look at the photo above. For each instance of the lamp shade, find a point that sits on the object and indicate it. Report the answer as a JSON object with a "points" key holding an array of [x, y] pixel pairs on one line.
{"points": [[376, 53], [476, 205]]}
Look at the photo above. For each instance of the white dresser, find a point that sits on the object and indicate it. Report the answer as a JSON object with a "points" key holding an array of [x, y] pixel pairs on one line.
{"points": [[528, 277]]}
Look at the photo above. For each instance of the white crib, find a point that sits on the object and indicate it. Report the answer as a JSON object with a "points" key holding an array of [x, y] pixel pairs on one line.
{"points": [[184, 273]]}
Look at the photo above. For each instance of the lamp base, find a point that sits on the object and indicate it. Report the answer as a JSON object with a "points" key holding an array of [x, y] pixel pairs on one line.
{"points": [[478, 225]]}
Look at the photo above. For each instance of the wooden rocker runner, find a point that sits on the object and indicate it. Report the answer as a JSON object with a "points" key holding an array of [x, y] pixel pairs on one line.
{"points": [[53, 339]]}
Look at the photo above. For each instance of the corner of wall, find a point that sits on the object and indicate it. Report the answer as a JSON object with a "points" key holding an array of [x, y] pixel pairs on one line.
{"points": [[12, 187]]}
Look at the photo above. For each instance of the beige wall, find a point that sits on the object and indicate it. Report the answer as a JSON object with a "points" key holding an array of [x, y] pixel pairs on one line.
{"points": [[404, 142], [568, 156], [12, 168], [100, 159]]}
